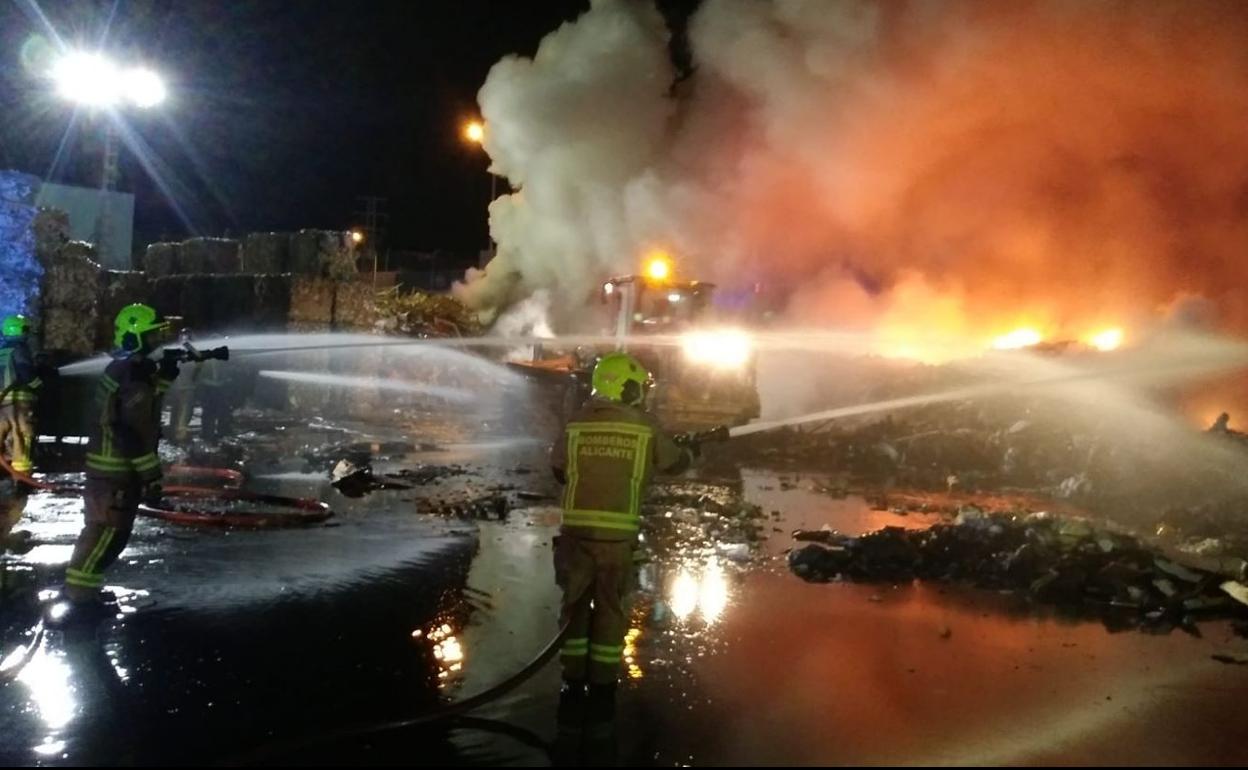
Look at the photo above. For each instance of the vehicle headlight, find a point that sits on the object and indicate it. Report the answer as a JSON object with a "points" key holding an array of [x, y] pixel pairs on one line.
{"points": [[718, 349]]}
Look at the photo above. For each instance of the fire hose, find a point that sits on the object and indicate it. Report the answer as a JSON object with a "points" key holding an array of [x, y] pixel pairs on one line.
{"points": [[306, 510], [185, 354], [456, 710], [11, 672]]}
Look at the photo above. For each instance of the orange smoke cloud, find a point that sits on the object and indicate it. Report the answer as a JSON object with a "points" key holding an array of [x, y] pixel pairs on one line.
{"points": [[1070, 167]]}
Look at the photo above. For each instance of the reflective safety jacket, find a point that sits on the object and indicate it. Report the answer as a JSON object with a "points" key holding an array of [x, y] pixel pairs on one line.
{"points": [[123, 438], [608, 454]]}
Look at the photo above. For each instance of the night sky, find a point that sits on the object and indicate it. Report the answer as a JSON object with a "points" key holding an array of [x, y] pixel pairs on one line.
{"points": [[282, 113]]}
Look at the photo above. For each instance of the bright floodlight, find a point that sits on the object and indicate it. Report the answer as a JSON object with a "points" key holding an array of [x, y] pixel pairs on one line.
{"points": [[87, 78], [144, 88], [92, 80], [475, 132]]}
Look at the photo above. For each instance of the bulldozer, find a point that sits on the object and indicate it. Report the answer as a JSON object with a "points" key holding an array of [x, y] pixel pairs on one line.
{"points": [[704, 372]]}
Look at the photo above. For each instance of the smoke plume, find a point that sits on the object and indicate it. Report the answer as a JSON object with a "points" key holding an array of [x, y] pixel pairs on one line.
{"points": [[965, 167]]}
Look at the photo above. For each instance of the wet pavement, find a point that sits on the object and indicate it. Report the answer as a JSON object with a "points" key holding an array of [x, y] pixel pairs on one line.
{"points": [[252, 647]]}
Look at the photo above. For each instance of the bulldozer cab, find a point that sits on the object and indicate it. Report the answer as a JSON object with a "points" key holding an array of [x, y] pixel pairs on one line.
{"points": [[704, 377], [638, 305], [703, 372]]}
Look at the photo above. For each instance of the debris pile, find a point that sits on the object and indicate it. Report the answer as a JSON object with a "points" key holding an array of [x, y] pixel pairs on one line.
{"points": [[963, 446], [358, 480], [1213, 535], [426, 315], [711, 517], [491, 507], [1051, 559]]}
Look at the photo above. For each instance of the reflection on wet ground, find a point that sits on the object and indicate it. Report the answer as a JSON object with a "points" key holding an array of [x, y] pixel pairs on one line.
{"points": [[253, 646]]}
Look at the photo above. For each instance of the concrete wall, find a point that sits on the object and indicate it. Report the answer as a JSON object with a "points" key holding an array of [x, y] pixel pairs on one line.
{"points": [[83, 206]]}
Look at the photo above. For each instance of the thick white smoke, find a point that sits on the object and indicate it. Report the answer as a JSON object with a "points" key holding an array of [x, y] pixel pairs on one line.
{"points": [[965, 167], [572, 129]]}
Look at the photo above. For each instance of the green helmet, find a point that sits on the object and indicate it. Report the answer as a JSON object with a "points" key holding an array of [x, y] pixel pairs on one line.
{"points": [[612, 376], [135, 321], [15, 327]]}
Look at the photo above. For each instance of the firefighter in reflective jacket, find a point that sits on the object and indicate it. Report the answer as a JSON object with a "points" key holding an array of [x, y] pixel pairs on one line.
{"points": [[19, 384], [122, 465], [606, 458]]}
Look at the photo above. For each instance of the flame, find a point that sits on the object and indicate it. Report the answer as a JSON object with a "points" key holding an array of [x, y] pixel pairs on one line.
{"points": [[1108, 339], [1019, 338]]}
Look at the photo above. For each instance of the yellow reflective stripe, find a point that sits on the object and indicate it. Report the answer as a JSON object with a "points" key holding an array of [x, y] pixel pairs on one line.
{"points": [[146, 462], [572, 471], [35, 383], [607, 647], [105, 461], [108, 383], [626, 522], [77, 577], [639, 473], [617, 427], [96, 553], [122, 464]]}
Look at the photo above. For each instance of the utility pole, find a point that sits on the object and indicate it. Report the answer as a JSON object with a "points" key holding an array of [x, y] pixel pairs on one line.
{"points": [[373, 218], [109, 174]]}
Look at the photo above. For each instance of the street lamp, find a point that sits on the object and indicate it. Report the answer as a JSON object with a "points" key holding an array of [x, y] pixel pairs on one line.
{"points": [[94, 81], [474, 132]]}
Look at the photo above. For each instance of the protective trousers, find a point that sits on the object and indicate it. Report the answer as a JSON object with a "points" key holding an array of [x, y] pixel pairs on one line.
{"points": [[17, 435], [110, 507], [596, 577]]}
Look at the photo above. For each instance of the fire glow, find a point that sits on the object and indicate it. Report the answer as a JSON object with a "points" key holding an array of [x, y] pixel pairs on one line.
{"points": [[1017, 339]]}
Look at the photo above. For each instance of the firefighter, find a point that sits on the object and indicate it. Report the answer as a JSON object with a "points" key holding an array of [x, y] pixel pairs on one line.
{"points": [[181, 398], [122, 465], [609, 451], [19, 379], [216, 413]]}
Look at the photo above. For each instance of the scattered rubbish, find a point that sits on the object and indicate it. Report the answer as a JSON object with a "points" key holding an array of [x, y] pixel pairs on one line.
{"points": [[356, 481], [1052, 559], [703, 516], [735, 551], [1177, 570], [1236, 590], [489, 507], [425, 474], [532, 496], [345, 469]]}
